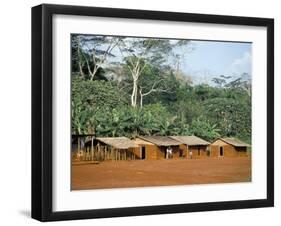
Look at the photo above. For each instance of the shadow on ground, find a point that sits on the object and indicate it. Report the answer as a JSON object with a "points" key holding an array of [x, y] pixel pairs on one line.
{"points": [[25, 213]]}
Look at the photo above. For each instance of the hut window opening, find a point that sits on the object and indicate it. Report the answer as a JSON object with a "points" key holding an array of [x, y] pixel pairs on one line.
{"points": [[221, 151], [142, 152]]}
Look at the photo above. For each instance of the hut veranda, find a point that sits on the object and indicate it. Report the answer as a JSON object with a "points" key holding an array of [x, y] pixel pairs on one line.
{"points": [[106, 148]]}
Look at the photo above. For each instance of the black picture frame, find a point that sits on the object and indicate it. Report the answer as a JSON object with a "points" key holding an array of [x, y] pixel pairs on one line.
{"points": [[42, 111]]}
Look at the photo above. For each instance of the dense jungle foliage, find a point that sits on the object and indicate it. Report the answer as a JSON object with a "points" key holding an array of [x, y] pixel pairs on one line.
{"points": [[142, 93]]}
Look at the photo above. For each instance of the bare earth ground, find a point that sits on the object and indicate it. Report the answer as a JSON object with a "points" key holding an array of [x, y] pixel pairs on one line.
{"points": [[141, 173]]}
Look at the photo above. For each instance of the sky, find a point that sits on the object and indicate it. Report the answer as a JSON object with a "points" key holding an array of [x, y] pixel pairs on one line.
{"points": [[209, 59]]}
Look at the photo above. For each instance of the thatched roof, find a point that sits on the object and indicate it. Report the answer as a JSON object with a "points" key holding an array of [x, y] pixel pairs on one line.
{"points": [[234, 142], [85, 137], [160, 140], [141, 142], [190, 140], [118, 142], [89, 139]]}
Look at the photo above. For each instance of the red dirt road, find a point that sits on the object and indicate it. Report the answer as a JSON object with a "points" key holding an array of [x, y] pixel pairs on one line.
{"points": [[142, 173]]}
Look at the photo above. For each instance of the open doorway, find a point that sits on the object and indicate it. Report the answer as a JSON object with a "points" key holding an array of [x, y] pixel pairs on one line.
{"points": [[142, 152], [180, 153], [221, 151]]}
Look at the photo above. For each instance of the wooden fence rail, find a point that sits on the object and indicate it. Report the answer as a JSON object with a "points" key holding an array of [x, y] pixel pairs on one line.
{"points": [[103, 153]]}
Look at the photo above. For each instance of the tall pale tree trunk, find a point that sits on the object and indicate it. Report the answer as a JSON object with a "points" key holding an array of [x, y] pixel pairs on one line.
{"points": [[80, 58], [141, 98], [134, 93], [81, 69]]}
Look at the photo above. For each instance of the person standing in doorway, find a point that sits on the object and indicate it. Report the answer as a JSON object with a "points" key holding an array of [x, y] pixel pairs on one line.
{"points": [[190, 154], [169, 152]]}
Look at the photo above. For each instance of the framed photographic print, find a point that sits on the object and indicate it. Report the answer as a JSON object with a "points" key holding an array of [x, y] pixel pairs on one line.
{"points": [[146, 112]]}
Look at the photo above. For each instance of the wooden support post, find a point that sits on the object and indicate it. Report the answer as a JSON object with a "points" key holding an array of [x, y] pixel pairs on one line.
{"points": [[95, 153], [94, 158], [78, 145], [108, 153], [86, 153], [98, 154], [103, 152], [101, 149], [111, 153], [92, 149], [134, 156]]}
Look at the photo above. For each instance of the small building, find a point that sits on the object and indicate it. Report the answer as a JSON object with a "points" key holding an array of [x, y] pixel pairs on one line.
{"points": [[110, 148], [78, 145], [193, 146], [229, 147], [155, 147]]}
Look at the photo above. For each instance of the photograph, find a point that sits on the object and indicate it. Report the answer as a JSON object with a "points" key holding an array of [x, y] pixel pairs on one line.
{"points": [[149, 111]]}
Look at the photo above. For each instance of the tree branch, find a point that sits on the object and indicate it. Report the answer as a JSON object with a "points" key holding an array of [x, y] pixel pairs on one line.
{"points": [[88, 65], [153, 89]]}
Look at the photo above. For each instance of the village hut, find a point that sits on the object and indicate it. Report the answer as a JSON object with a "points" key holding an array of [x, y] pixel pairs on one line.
{"points": [[78, 145], [110, 148], [155, 147], [229, 147], [193, 146]]}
